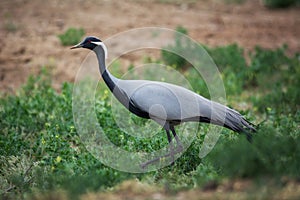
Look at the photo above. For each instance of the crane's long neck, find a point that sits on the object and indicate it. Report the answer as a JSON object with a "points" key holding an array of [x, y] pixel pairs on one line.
{"points": [[108, 78]]}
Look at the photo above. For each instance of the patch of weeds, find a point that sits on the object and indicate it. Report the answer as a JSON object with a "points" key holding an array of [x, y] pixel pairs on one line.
{"points": [[72, 36], [234, 1], [10, 26], [37, 123], [205, 174], [18, 175], [9, 23], [273, 153], [232, 65], [168, 55], [278, 3], [277, 76]]}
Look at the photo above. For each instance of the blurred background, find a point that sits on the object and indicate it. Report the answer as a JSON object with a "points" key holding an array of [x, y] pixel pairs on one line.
{"points": [[29, 29], [254, 43]]}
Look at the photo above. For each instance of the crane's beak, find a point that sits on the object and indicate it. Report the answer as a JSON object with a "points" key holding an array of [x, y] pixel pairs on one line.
{"points": [[77, 46]]}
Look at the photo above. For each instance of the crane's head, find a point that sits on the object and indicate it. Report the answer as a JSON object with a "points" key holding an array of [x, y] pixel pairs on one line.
{"points": [[91, 43]]}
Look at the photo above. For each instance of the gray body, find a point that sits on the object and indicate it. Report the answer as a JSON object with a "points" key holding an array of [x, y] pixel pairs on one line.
{"points": [[168, 103]]}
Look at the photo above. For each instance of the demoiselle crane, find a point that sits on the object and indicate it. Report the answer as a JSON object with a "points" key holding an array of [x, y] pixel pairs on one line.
{"points": [[167, 104]]}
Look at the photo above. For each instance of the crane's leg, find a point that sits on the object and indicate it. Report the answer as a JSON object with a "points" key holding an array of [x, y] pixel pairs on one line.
{"points": [[171, 153], [179, 147], [171, 145]]}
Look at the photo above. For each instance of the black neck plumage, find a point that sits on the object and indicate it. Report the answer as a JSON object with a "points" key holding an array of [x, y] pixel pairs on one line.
{"points": [[109, 79]]}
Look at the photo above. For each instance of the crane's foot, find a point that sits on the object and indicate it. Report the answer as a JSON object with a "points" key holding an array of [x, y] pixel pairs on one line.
{"points": [[172, 154]]}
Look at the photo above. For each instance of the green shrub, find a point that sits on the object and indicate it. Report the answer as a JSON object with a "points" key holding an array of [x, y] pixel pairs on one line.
{"points": [[278, 3], [277, 76], [197, 82], [180, 45], [274, 152], [10, 26], [37, 129], [72, 36], [232, 65], [230, 56], [204, 174]]}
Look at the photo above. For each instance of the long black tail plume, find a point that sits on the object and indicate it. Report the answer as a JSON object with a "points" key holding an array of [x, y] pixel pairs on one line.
{"points": [[236, 122], [233, 121]]}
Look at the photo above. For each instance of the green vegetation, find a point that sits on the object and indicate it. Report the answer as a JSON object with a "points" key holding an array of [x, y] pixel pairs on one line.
{"points": [[234, 1], [10, 26], [171, 58], [279, 3], [41, 151], [72, 36], [9, 23]]}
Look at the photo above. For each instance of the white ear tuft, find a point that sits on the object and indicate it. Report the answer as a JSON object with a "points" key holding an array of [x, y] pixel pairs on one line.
{"points": [[103, 46]]}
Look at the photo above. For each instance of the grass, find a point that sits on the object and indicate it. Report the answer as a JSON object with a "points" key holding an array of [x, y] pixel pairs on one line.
{"points": [[41, 153]]}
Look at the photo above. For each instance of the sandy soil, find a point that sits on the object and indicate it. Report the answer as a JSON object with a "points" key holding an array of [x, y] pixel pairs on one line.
{"points": [[29, 29]]}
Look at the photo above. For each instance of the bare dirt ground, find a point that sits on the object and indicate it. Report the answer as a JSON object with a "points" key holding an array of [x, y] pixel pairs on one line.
{"points": [[235, 189], [29, 29]]}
